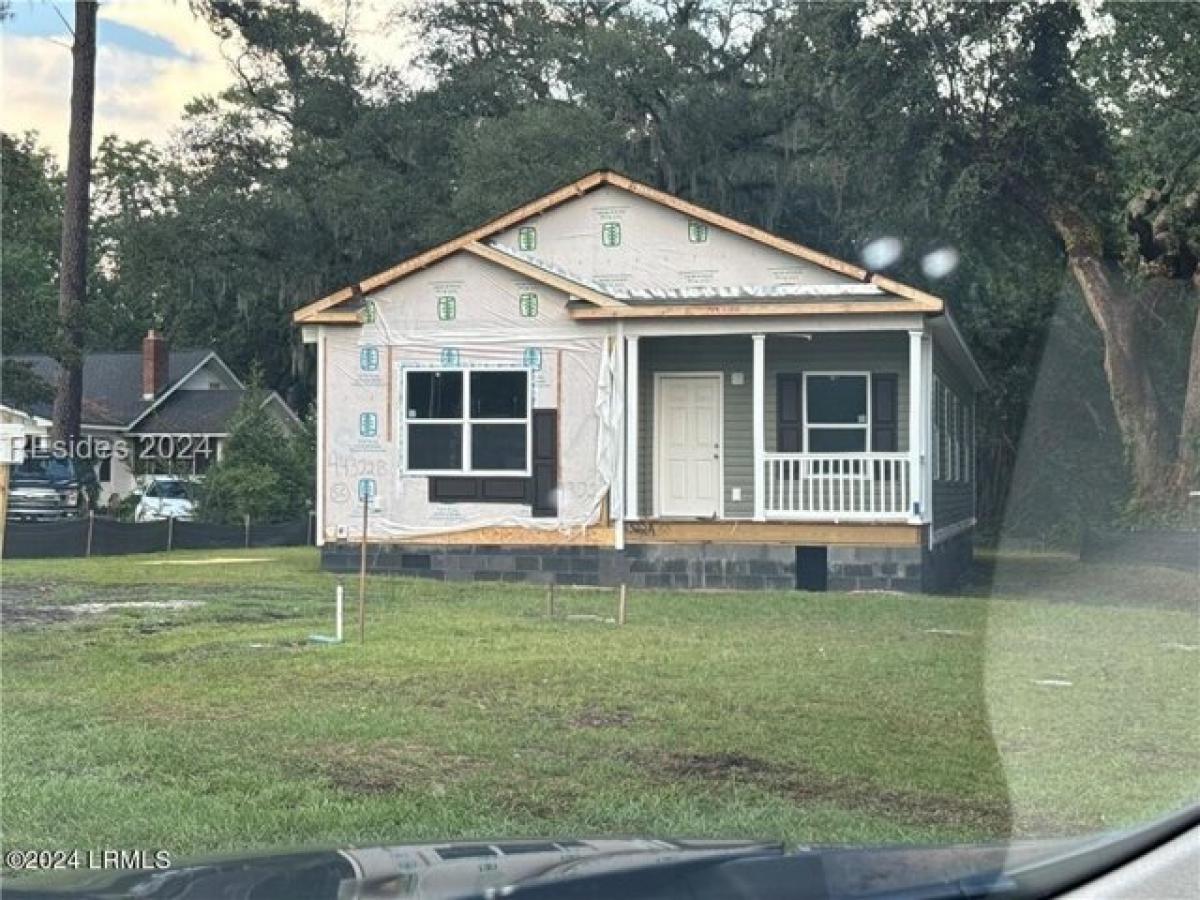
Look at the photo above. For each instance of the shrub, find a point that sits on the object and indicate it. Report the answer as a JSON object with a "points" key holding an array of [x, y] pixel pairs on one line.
{"points": [[266, 471]]}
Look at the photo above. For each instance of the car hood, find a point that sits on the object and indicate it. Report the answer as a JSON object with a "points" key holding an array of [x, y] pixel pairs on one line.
{"points": [[626, 868]]}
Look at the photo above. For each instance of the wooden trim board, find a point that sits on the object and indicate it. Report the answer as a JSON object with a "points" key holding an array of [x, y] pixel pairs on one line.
{"points": [[664, 531], [546, 277], [687, 311], [661, 531], [595, 536]]}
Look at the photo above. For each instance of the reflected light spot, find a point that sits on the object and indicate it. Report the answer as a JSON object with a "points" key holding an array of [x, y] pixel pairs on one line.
{"points": [[881, 253], [939, 263]]}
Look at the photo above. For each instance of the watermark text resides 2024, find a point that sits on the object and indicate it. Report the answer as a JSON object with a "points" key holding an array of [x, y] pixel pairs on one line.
{"points": [[145, 447]]}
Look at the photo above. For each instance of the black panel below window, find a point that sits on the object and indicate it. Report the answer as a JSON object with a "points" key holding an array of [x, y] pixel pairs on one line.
{"points": [[480, 490]]}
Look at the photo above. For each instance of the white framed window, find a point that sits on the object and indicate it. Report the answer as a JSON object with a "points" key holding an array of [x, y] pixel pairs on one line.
{"points": [[837, 412], [466, 421]]}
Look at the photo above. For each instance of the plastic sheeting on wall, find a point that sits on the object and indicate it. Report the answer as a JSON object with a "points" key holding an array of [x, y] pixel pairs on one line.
{"points": [[471, 315]]}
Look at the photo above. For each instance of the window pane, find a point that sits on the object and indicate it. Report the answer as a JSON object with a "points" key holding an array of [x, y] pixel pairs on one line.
{"points": [[435, 395], [837, 399], [435, 447], [498, 447], [837, 440], [498, 395]]}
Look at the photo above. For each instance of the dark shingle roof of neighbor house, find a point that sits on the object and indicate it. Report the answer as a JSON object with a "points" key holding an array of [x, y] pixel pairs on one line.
{"points": [[112, 382], [192, 412]]}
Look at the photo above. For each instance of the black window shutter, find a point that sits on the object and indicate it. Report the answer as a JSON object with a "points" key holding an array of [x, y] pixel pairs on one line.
{"points": [[885, 413], [545, 462], [789, 413]]}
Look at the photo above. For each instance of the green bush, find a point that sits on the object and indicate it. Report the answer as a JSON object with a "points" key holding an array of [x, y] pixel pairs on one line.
{"points": [[266, 471]]}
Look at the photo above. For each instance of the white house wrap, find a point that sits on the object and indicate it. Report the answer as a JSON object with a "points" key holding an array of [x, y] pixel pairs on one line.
{"points": [[469, 315]]}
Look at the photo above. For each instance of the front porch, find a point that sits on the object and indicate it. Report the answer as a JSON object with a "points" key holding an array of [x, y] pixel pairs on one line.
{"points": [[783, 427]]}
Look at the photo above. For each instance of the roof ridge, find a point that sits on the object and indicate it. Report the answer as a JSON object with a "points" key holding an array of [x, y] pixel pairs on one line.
{"points": [[112, 353]]}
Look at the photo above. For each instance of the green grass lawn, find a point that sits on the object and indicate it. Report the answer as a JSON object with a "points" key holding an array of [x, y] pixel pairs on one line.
{"points": [[469, 713]]}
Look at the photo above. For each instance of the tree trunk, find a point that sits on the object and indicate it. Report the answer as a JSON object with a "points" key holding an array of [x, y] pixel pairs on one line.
{"points": [[68, 398], [1189, 424], [1135, 403]]}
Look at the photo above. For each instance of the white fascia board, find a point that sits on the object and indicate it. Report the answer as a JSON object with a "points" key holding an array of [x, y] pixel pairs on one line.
{"points": [[748, 325]]}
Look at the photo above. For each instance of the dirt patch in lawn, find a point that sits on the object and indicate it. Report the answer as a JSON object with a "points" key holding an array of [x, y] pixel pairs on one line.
{"points": [[384, 767], [804, 785], [593, 717], [19, 616], [22, 617]]}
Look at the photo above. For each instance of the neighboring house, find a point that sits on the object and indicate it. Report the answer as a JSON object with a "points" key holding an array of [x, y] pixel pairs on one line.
{"points": [[610, 384], [158, 410], [31, 425]]}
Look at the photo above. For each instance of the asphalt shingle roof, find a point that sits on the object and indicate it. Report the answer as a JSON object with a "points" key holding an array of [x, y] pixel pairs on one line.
{"points": [[192, 412], [112, 382]]}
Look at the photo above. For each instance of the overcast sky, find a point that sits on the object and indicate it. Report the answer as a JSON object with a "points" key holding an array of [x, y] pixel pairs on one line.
{"points": [[152, 57]]}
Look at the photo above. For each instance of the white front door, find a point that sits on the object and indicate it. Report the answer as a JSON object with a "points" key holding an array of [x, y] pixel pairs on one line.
{"points": [[688, 451]]}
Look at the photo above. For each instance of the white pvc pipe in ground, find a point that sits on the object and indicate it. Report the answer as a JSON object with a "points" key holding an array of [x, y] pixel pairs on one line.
{"points": [[337, 621]]}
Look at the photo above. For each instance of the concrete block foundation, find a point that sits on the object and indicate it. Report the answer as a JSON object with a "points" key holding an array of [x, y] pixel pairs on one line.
{"points": [[672, 566]]}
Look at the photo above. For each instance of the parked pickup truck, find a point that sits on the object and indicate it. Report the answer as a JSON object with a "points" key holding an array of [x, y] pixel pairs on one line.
{"points": [[49, 488]]}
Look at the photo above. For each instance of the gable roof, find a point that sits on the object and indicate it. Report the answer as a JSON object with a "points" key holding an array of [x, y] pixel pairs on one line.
{"points": [[112, 382], [201, 412], [112, 393], [175, 385], [191, 412], [325, 312]]}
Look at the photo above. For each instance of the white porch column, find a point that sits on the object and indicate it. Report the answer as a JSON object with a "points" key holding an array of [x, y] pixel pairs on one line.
{"points": [[927, 399], [322, 412], [916, 431], [616, 493], [631, 428], [759, 412]]}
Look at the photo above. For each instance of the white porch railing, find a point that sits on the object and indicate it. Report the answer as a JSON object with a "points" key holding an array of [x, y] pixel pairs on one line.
{"points": [[837, 486]]}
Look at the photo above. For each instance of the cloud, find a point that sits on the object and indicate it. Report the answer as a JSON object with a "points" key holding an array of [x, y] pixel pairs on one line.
{"points": [[156, 59], [140, 94]]}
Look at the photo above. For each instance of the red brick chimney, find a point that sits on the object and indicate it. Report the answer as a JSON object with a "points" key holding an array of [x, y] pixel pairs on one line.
{"points": [[154, 364]]}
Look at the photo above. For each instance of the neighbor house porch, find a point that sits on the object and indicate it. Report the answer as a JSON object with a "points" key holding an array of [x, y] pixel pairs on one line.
{"points": [[786, 426]]}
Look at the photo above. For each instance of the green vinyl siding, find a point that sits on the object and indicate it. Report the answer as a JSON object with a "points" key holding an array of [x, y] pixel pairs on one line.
{"points": [[953, 501], [875, 352], [701, 354]]}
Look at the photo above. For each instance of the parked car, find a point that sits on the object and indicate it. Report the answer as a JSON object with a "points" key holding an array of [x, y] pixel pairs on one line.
{"points": [[165, 497], [50, 488]]}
